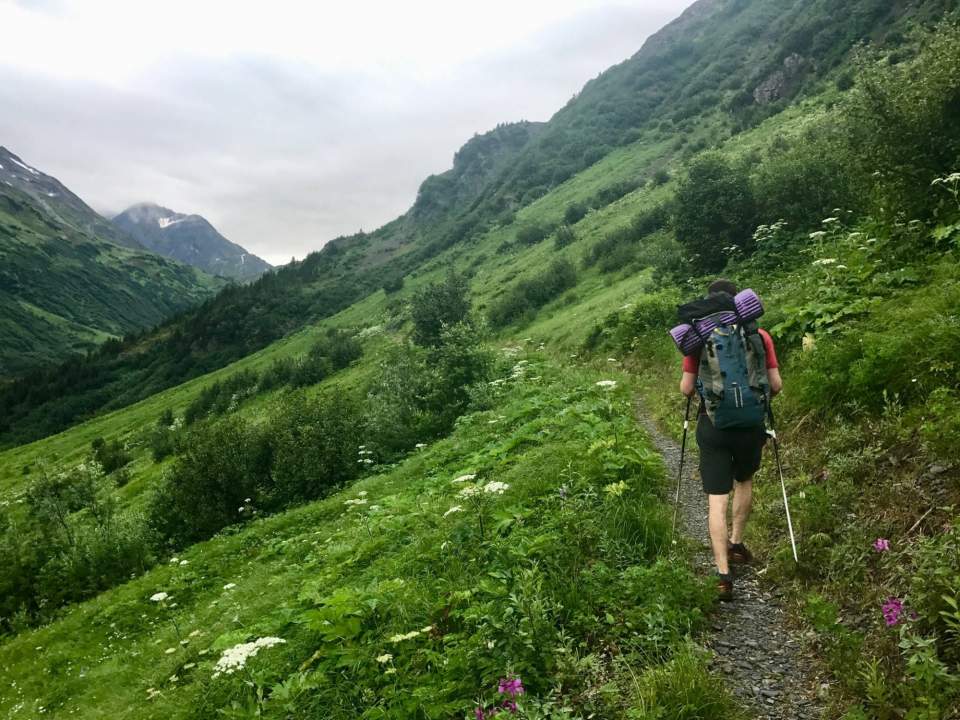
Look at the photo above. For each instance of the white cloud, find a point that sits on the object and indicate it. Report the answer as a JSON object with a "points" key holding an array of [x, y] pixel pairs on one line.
{"points": [[288, 123]]}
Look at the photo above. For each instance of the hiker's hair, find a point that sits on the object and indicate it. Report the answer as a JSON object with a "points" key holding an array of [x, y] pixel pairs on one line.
{"points": [[722, 285]]}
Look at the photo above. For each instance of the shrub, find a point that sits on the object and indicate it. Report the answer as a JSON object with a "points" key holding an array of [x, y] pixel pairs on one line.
{"points": [[564, 236], [393, 284], [529, 295], [111, 455], [574, 213], [715, 211], [221, 465], [439, 305], [532, 233], [313, 446], [660, 177]]}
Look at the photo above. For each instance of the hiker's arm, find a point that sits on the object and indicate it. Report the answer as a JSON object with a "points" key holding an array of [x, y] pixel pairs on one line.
{"points": [[688, 383], [776, 382]]}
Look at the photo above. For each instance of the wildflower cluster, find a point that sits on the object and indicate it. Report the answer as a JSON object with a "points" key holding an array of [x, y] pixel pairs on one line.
{"points": [[235, 658], [401, 637], [510, 688], [365, 455], [892, 610], [881, 545], [606, 384]]}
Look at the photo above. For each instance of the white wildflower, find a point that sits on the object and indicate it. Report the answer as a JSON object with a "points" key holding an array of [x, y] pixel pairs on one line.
{"points": [[463, 478], [613, 360], [169, 651], [159, 597], [420, 446], [495, 487], [469, 491], [817, 235], [841, 267], [184, 562], [606, 384], [830, 220], [427, 629], [454, 509], [235, 658], [229, 586], [825, 261], [385, 658], [174, 560]]}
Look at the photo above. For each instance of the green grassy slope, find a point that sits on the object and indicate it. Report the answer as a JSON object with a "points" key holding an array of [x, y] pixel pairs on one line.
{"points": [[63, 292], [622, 311], [690, 87], [399, 559]]}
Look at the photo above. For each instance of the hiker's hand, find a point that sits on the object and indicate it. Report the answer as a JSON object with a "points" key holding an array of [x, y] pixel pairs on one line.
{"points": [[688, 384], [776, 382]]}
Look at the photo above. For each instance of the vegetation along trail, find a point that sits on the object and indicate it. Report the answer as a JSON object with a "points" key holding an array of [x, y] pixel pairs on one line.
{"points": [[762, 659]]}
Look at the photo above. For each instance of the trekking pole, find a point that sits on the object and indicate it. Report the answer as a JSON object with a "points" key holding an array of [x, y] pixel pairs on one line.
{"points": [[683, 448], [772, 432]]}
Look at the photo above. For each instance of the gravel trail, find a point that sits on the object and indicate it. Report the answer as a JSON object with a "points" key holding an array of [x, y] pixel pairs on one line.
{"points": [[762, 659]]}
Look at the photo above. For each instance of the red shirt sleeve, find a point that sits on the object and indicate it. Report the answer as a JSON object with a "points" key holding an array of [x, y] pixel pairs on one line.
{"points": [[770, 350], [691, 363]]}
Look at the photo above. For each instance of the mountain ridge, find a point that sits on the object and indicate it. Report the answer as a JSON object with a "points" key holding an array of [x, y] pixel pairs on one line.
{"points": [[189, 238], [70, 280]]}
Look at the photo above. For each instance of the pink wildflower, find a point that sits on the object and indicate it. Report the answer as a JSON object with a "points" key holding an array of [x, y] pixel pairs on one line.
{"points": [[891, 611], [881, 544], [511, 687]]}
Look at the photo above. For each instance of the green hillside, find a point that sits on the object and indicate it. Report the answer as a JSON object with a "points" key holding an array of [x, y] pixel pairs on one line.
{"points": [[64, 292], [307, 490]]}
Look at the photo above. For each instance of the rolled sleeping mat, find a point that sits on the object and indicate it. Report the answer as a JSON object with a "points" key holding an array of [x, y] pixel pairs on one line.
{"points": [[689, 340]]}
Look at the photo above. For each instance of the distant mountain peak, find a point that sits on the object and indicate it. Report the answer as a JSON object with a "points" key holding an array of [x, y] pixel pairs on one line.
{"points": [[190, 239]]}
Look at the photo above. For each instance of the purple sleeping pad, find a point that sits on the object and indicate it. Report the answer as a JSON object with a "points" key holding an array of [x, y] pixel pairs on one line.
{"points": [[688, 340]]}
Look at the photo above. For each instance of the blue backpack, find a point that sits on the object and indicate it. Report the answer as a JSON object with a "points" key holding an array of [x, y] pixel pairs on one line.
{"points": [[732, 379]]}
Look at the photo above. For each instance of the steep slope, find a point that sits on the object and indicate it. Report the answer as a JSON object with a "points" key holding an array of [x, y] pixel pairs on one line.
{"points": [[189, 239], [375, 571], [57, 202], [723, 66], [64, 288]]}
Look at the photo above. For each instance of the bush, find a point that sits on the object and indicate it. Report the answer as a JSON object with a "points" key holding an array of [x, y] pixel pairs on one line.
{"points": [[619, 248], [660, 177], [313, 446], [533, 233], [564, 236], [527, 296], [393, 284], [574, 213], [221, 465], [437, 306], [111, 455], [715, 211]]}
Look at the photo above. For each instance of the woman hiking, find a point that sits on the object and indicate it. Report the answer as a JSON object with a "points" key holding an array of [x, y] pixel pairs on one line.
{"points": [[735, 373]]}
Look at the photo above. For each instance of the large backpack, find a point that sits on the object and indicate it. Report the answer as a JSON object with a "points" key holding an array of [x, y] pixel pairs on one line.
{"points": [[732, 379]]}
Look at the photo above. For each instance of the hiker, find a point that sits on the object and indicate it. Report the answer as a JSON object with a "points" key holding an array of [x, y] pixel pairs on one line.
{"points": [[729, 457]]}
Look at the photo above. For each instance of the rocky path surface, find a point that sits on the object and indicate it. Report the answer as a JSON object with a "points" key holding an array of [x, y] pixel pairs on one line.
{"points": [[762, 660]]}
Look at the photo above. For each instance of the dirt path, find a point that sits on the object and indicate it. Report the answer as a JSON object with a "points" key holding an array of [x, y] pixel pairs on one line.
{"points": [[762, 660]]}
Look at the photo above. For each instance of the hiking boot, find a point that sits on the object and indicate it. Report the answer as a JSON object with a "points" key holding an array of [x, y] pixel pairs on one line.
{"points": [[724, 587], [738, 554]]}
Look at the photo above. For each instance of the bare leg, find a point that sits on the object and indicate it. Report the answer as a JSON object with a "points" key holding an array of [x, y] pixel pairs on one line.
{"points": [[742, 501], [717, 520]]}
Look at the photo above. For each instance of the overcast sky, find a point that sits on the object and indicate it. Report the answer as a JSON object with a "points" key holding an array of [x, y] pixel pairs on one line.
{"points": [[287, 123]]}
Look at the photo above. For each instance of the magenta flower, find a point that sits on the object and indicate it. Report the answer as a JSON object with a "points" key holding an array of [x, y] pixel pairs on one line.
{"points": [[510, 706], [511, 687], [892, 609], [881, 544]]}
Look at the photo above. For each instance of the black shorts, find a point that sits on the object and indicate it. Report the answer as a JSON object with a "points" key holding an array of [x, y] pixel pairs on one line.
{"points": [[727, 455]]}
